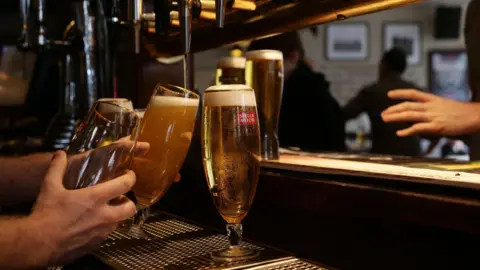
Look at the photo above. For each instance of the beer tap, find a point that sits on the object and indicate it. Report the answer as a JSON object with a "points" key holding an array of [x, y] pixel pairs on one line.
{"points": [[42, 31], [25, 38], [220, 10]]}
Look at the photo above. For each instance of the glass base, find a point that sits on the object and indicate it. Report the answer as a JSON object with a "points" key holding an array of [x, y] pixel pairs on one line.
{"points": [[235, 253], [134, 231]]}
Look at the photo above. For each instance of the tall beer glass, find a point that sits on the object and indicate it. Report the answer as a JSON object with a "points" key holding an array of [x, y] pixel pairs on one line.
{"points": [[102, 145], [230, 70], [167, 126], [231, 155], [264, 73]]}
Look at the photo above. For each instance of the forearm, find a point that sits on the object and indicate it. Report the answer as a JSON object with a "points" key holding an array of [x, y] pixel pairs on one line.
{"points": [[473, 121], [20, 246], [21, 178]]}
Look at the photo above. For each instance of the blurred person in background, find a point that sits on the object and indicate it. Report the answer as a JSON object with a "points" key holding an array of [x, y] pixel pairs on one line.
{"points": [[435, 115], [310, 118], [373, 99]]}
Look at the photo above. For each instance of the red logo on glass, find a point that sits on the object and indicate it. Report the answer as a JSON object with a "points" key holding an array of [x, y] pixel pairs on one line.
{"points": [[247, 118]]}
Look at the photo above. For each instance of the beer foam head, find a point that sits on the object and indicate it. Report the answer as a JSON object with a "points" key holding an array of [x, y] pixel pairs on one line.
{"points": [[231, 62], [113, 107], [264, 54], [171, 101], [110, 108], [229, 95]]}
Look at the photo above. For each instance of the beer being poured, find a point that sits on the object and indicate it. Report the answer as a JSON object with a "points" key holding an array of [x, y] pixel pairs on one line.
{"points": [[231, 148], [167, 125]]}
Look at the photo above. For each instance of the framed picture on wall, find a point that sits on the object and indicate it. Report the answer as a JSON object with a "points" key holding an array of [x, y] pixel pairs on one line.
{"points": [[448, 74], [347, 41], [406, 36]]}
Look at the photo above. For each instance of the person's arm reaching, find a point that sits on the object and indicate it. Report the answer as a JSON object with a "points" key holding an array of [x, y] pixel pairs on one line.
{"points": [[432, 115], [65, 224], [21, 177], [355, 106]]}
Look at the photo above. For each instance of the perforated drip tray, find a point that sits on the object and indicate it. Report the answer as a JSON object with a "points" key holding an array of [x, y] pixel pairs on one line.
{"points": [[181, 245]]}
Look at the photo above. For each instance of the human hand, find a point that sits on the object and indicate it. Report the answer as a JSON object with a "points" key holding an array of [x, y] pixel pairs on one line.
{"points": [[432, 115], [70, 223]]}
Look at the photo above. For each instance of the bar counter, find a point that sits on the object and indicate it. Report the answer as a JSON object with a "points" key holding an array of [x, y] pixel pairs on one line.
{"points": [[337, 211], [353, 212]]}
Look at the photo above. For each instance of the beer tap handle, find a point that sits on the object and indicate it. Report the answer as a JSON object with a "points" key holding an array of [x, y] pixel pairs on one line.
{"points": [[42, 31], [161, 16], [185, 24], [137, 17], [220, 9], [25, 42]]}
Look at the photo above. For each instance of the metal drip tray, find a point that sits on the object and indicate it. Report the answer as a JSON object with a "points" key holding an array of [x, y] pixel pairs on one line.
{"points": [[181, 245]]}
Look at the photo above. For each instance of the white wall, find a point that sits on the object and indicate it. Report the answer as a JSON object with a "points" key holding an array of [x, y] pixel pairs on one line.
{"points": [[347, 77]]}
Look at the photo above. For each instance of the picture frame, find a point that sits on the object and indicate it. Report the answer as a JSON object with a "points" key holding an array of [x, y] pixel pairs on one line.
{"points": [[404, 35], [347, 41], [448, 74]]}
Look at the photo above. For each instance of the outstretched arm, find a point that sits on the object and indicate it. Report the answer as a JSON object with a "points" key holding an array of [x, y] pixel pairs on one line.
{"points": [[432, 115], [21, 177]]}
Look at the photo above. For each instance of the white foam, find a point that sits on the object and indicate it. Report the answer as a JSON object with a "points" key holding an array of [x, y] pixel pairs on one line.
{"points": [[174, 101], [231, 62], [119, 101], [229, 95], [264, 54]]}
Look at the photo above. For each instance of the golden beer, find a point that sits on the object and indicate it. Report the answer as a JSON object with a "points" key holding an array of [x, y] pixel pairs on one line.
{"points": [[167, 125], [230, 70], [231, 148], [264, 73]]}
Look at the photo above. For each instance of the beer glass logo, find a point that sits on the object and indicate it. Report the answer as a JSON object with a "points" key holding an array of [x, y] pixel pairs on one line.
{"points": [[247, 118]]}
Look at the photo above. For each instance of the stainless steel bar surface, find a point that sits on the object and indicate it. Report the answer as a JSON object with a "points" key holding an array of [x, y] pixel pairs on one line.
{"points": [[178, 244]]}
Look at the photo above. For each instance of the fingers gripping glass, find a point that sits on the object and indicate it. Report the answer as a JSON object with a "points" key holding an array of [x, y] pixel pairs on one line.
{"points": [[231, 155], [102, 146], [167, 126]]}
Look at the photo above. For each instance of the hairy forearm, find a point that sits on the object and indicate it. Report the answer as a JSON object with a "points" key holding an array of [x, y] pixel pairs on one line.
{"points": [[20, 178], [20, 246]]}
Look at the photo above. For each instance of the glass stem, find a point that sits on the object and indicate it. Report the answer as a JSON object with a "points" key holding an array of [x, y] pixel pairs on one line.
{"points": [[141, 215], [234, 233]]}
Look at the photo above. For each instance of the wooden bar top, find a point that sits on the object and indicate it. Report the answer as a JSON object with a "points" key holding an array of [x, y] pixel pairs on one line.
{"points": [[421, 170]]}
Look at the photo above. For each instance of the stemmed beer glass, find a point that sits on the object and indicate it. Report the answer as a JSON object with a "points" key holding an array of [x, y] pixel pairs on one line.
{"points": [[167, 126], [231, 158], [108, 129]]}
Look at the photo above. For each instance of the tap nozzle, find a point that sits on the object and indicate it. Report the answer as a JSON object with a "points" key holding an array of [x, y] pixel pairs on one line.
{"points": [[25, 7], [185, 24], [220, 9]]}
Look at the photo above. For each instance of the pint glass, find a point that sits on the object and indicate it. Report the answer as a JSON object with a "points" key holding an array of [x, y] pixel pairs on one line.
{"points": [[230, 70], [264, 73], [167, 126]]}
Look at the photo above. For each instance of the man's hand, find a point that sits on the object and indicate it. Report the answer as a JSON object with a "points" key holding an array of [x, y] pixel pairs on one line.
{"points": [[102, 164], [432, 115], [71, 223]]}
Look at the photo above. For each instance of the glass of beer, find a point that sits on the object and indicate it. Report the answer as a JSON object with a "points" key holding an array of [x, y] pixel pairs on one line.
{"points": [[167, 126], [102, 145], [264, 73], [231, 158], [230, 70]]}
